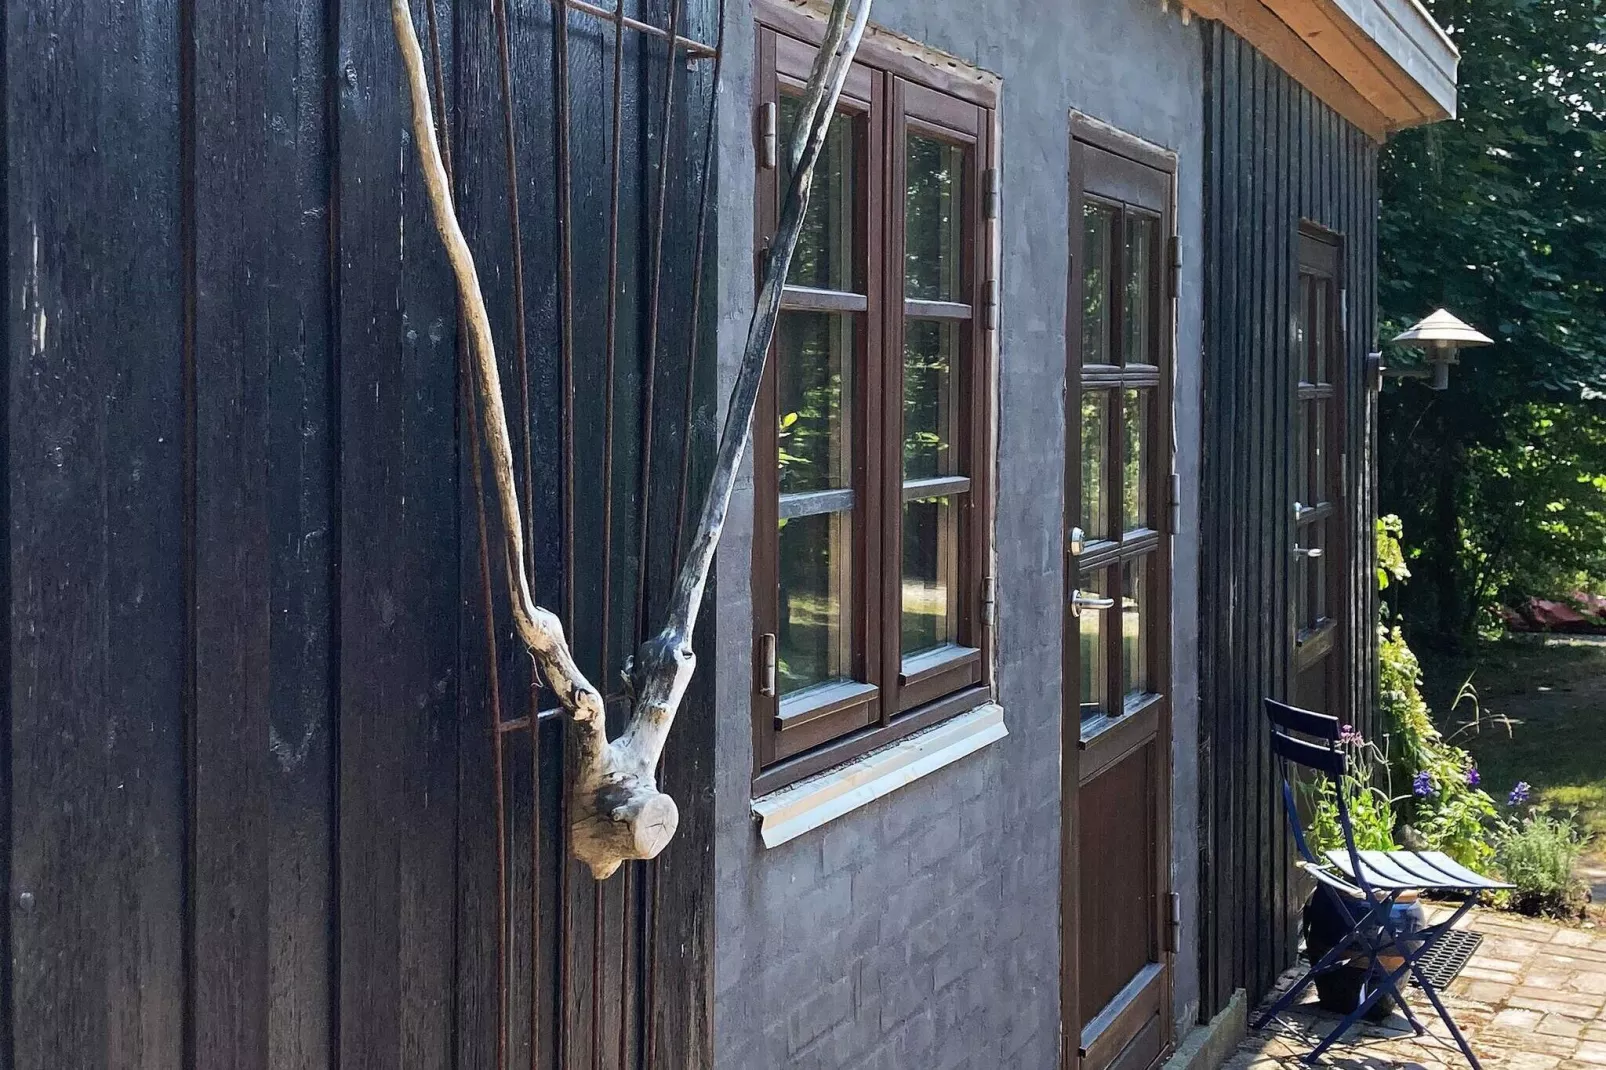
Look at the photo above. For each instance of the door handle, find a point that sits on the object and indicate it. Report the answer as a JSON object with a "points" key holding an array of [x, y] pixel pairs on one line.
{"points": [[1077, 540], [1308, 551], [1080, 601]]}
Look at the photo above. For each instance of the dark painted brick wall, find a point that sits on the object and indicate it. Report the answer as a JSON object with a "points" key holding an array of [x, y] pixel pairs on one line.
{"points": [[922, 931]]}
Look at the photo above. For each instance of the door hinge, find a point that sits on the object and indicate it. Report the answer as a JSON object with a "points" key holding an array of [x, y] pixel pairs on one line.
{"points": [[989, 601], [1343, 474], [769, 135], [989, 310], [1343, 307], [1174, 505], [1175, 253], [990, 184], [766, 665], [1174, 928]]}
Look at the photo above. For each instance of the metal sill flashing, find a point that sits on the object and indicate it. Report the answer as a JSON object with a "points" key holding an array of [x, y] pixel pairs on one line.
{"points": [[790, 812]]}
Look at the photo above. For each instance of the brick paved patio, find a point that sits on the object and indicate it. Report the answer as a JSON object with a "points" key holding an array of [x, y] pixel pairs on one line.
{"points": [[1532, 998]]}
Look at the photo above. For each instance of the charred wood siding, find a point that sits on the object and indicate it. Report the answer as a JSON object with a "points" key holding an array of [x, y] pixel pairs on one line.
{"points": [[245, 784], [1275, 156]]}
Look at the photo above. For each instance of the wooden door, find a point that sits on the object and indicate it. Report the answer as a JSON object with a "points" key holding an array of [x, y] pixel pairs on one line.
{"points": [[1117, 730], [1318, 513]]}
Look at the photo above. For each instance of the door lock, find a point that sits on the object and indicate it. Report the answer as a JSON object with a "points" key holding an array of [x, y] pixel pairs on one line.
{"points": [[1078, 540], [1081, 601]]}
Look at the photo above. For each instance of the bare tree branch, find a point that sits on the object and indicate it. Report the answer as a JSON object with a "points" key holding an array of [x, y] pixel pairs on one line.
{"points": [[617, 812]]}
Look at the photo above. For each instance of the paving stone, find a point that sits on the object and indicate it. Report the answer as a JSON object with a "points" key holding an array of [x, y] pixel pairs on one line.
{"points": [[1559, 1025], [1485, 991], [1592, 1053], [1573, 938]]}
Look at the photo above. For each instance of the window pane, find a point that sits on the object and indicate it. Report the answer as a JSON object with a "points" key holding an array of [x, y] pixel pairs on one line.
{"points": [[934, 221], [931, 399], [825, 249], [930, 573], [1319, 329], [1095, 464], [1095, 652], [1135, 458], [814, 421], [1304, 360], [1137, 320], [1134, 619], [1302, 452], [815, 590], [1098, 239], [1317, 430]]}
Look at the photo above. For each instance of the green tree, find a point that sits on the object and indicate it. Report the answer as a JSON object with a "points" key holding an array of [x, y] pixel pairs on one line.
{"points": [[1500, 216]]}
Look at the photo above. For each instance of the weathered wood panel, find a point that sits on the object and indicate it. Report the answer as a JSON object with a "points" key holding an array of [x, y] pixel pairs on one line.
{"points": [[246, 763], [1275, 157], [97, 534]]}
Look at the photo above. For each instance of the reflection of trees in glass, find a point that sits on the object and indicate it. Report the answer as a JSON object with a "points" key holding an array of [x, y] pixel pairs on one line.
{"points": [[824, 256], [814, 576], [1141, 236], [1095, 520], [930, 574], [1134, 500], [1098, 225], [815, 399], [930, 402], [933, 220]]}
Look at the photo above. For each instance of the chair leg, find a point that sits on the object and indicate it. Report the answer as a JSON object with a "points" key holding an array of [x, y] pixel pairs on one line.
{"points": [[1298, 988]]}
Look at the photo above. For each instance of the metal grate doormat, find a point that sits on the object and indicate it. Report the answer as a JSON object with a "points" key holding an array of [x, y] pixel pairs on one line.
{"points": [[1447, 956]]}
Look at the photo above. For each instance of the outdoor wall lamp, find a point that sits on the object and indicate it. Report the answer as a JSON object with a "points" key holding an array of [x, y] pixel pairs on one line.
{"points": [[1440, 336]]}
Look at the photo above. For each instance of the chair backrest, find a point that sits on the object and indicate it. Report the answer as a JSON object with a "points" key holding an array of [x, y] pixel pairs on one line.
{"points": [[1324, 757]]}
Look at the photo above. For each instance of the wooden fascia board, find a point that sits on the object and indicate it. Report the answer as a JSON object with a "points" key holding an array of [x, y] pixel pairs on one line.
{"points": [[1257, 24], [1359, 54]]}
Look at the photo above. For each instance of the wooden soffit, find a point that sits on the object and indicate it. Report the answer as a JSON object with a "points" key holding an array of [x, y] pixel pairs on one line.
{"points": [[1382, 64]]}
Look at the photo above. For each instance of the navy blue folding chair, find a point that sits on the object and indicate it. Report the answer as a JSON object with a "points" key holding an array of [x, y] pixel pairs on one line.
{"points": [[1364, 886]]}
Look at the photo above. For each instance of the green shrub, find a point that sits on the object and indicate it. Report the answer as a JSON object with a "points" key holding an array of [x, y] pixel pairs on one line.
{"points": [[1445, 809], [1537, 855]]}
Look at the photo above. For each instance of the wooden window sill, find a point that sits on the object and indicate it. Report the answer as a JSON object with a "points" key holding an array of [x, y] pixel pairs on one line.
{"points": [[788, 813]]}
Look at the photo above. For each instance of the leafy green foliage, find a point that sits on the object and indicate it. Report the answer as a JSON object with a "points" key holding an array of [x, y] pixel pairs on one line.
{"points": [[1371, 810], [1537, 854], [1500, 216]]}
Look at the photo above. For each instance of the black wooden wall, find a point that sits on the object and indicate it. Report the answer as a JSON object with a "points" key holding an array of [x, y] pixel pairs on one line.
{"points": [[245, 769], [1275, 156]]}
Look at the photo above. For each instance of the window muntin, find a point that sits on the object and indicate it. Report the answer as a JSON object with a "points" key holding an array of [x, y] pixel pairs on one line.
{"points": [[875, 419]]}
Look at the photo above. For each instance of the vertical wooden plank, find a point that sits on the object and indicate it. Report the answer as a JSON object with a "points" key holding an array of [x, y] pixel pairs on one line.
{"points": [[230, 827], [398, 569], [262, 825], [1208, 808], [97, 535]]}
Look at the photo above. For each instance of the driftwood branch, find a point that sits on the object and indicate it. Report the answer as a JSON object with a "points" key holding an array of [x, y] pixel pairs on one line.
{"points": [[617, 812]]}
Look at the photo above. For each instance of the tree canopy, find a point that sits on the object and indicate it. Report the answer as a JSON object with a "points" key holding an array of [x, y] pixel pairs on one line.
{"points": [[1500, 216]]}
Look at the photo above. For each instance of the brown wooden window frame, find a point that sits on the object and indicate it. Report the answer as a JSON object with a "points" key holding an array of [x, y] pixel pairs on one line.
{"points": [[889, 96]]}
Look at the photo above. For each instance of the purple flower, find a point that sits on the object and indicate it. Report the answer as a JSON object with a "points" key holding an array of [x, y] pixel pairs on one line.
{"points": [[1519, 794], [1472, 777], [1422, 784], [1347, 736]]}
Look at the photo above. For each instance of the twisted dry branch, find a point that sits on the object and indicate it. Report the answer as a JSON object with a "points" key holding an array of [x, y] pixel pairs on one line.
{"points": [[616, 811]]}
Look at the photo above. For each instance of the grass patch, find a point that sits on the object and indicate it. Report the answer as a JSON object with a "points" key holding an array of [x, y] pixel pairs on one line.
{"points": [[1556, 689]]}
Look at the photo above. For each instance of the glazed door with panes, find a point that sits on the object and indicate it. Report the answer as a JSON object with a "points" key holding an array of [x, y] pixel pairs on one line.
{"points": [[1118, 613], [1318, 511]]}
